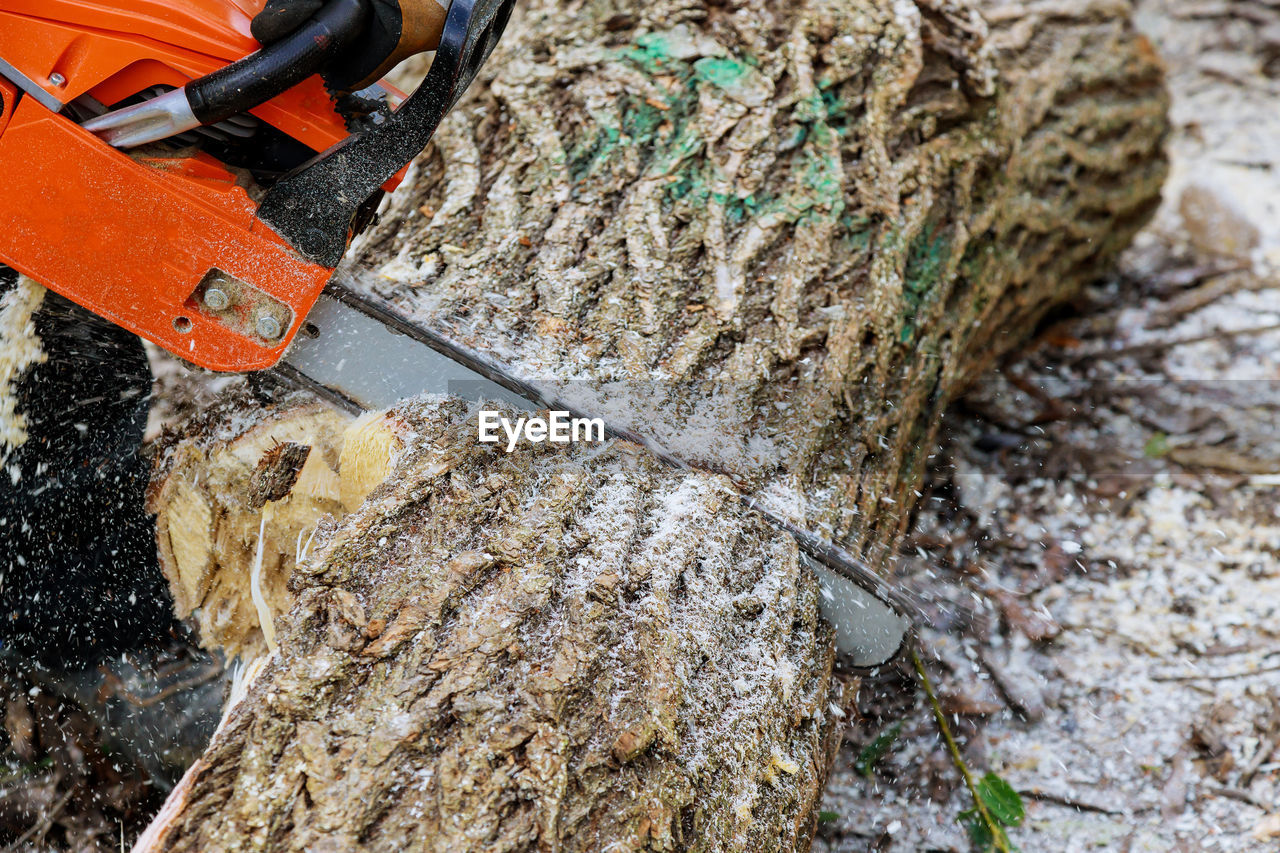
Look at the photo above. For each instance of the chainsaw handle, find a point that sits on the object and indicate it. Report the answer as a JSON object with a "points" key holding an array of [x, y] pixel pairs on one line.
{"points": [[314, 206], [240, 86], [260, 76]]}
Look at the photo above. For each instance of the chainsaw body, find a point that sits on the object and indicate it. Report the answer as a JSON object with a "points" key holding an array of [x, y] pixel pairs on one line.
{"points": [[213, 245]]}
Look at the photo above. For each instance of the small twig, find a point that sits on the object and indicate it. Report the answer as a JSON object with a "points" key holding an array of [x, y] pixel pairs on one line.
{"points": [[116, 686], [1260, 756], [1222, 676], [1221, 459], [41, 827], [1210, 290], [1266, 746], [1228, 651], [1062, 800], [1053, 408], [1102, 323], [1152, 347], [996, 832], [1238, 795], [1111, 632]]}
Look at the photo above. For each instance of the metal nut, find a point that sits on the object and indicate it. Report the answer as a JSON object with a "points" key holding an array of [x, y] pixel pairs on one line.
{"points": [[56, 79], [269, 327], [216, 299]]}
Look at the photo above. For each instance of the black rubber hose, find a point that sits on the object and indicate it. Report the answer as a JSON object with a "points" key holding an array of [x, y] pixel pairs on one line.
{"points": [[260, 76], [314, 207]]}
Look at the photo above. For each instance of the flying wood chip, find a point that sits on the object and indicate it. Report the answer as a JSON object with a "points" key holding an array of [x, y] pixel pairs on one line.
{"points": [[277, 472]]}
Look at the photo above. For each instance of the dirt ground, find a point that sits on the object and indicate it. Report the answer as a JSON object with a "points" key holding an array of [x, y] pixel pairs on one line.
{"points": [[1101, 535]]}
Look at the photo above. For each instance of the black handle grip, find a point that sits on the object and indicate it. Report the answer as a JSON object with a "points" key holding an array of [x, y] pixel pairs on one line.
{"points": [[313, 208], [260, 76]]}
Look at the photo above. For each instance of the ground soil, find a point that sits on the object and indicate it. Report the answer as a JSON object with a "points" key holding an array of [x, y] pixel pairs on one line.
{"points": [[1099, 545]]}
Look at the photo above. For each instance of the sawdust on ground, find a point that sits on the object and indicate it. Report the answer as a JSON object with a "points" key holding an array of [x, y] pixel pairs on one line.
{"points": [[1101, 541]]}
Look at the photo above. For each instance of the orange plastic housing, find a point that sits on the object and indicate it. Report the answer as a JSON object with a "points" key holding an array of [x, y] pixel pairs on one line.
{"points": [[112, 49], [135, 239], [132, 240]]}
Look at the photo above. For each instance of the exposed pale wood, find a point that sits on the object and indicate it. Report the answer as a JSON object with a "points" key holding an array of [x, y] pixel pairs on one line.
{"points": [[369, 448], [209, 524]]}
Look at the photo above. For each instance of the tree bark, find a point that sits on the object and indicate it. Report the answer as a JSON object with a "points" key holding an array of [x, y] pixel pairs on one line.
{"points": [[779, 238]]}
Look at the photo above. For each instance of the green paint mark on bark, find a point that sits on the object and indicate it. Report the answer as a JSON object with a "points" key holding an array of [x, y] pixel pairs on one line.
{"points": [[641, 120], [651, 52], [821, 173], [661, 128], [584, 156], [810, 109], [926, 257], [736, 78], [725, 73], [739, 209]]}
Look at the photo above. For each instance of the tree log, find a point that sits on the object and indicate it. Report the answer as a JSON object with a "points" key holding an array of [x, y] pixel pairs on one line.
{"points": [[791, 232]]}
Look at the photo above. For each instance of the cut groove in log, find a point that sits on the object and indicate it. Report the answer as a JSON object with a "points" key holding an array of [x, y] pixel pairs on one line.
{"points": [[837, 210]]}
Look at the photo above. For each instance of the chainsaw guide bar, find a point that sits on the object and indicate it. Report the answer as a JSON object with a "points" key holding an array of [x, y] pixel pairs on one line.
{"points": [[362, 354]]}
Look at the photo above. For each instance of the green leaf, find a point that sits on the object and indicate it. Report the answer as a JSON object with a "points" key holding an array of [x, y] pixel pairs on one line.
{"points": [[1156, 446], [1001, 800], [828, 817], [981, 836], [871, 753]]}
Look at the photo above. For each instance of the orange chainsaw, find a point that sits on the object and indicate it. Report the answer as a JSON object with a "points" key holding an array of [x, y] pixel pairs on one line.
{"points": [[165, 173], [162, 168]]}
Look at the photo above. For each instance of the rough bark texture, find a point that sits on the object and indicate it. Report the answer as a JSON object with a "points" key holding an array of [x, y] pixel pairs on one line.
{"points": [[804, 226], [833, 212], [571, 660]]}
